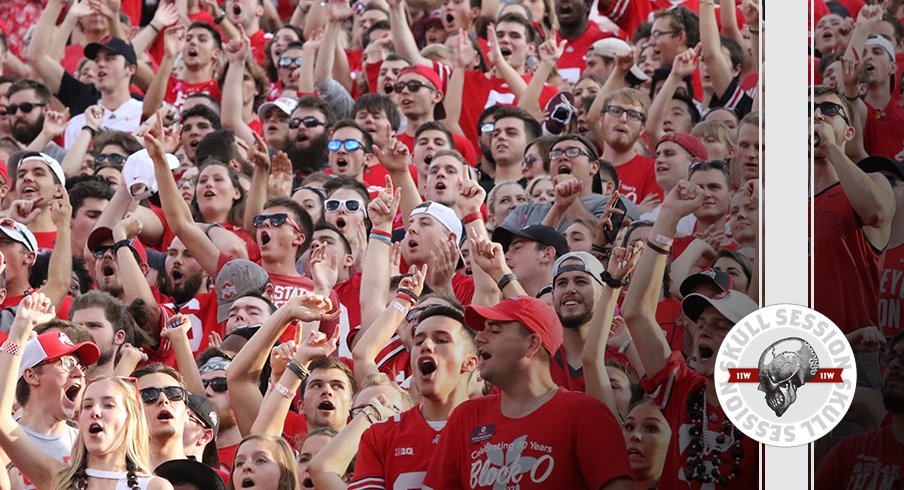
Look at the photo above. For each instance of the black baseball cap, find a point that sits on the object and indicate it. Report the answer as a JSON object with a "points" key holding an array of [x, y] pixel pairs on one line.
{"points": [[112, 44], [204, 411], [720, 279], [878, 164], [189, 471], [537, 233]]}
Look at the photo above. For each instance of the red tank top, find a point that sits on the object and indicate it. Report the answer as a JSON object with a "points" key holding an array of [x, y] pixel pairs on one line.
{"points": [[846, 274]]}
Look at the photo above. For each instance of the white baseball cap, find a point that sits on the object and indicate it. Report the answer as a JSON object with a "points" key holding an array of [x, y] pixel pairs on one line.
{"points": [[138, 173], [20, 233], [610, 48], [51, 162], [285, 104], [443, 214]]}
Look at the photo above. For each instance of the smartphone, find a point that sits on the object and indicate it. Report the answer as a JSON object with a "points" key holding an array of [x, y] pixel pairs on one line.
{"points": [[617, 220]]}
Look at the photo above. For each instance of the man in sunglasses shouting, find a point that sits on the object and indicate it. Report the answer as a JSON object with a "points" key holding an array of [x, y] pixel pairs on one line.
{"points": [[164, 396], [853, 213]]}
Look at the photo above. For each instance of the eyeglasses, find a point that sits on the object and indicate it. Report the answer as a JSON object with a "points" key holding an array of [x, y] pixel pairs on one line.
{"points": [[709, 164], [617, 111], [218, 385], [99, 251], [415, 313], [26, 108], [657, 34], [571, 152], [487, 128], [350, 145], [289, 61], [412, 86], [172, 393], [309, 122], [829, 109], [109, 160], [350, 205], [68, 363], [276, 220]]}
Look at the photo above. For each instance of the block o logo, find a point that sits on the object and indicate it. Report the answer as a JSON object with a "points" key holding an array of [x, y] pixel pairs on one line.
{"points": [[785, 375]]}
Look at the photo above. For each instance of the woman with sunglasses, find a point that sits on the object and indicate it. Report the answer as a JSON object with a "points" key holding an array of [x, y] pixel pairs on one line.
{"points": [[112, 441]]}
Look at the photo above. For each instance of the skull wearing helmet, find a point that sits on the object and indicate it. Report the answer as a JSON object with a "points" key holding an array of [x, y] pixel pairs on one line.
{"points": [[784, 367]]}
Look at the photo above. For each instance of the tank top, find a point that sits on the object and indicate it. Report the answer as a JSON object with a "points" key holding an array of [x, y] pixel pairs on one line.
{"points": [[121, 477]]}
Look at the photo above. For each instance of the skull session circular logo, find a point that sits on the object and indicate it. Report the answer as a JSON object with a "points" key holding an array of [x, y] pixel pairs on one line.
{"points": [[785, 375]]}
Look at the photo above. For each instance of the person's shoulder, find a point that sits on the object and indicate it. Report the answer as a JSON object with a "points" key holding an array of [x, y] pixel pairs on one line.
{"points": [[157, 483], [477, 405], [576, 399]]}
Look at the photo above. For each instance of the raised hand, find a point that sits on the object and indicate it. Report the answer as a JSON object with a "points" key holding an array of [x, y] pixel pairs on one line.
{"points": [[129, 355], [414, 282], [395, 259], [317, 345], [165, 16], [683, 199], [279, 359], [550, 51], [465, 54], [495, 52], [870, 16], [61, 210], [383, 208], [851, 70], [604, 224], [214, 340], [177, 326], [324, 270], [308, 307], [340, 10], [567, 191], [649, 203], [80, 9], [867, 339], [750, 9], [622, 261], [625, 60], [686, 62], [34, 309], [25, 210], [471, 196], [444, 265], [94, 117], [395, 157], [238, 48], [173, 40], [280, 182], [259, 154], [379, 408], [55, 122], [129, 226], [489, 257]]}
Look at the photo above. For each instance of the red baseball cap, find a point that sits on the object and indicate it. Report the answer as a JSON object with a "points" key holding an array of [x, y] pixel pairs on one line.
{"points": [[689, 142], [439, 111], [54, 345], [102, 233], [535, 315]]}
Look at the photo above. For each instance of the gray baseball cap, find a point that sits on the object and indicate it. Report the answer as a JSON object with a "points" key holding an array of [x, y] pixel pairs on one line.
{"points": [[236, 279]]}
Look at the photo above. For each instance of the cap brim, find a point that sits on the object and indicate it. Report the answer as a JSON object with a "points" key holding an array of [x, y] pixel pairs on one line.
{"points": [[477, 316], [504, 237], [92, 49], [188, 471], [223, 311], [87, 353], [688, 285], [97, 236], [694, 304]]}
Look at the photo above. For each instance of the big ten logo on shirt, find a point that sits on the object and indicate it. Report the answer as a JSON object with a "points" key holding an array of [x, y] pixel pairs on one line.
{"points": [[891, 291], [504, 465]]}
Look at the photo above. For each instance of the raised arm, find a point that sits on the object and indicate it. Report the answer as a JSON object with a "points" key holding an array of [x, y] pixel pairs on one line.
{"points": [[178, 215], [623, 63], [686, 263], [375, 273], [718, 68], [465, 57], [751, 11], [683, 66], [77, 10], [338, 10], [134, 284], [868, 18], [173, 40], [396, 158], [596, 380], [47, 68], [550, 52], [34, 309], [260, 157], [165, 16], [59, 269], [237, 51], [402, 38], [489, 257], [502, 68], [176, 331], [639, 307], [54, 125], [75, 155], [469, 201]]}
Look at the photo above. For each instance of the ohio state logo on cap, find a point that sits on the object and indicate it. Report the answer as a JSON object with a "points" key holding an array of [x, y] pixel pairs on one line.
{"points": [[65, 339], [228, 290], [708, 272]]}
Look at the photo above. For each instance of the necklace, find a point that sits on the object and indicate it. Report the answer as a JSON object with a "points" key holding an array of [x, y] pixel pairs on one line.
{"points": [[695, 466], [81, 478]]}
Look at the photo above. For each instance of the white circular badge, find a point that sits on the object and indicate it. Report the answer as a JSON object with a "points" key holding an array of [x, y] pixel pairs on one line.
{"points": [[785, 375]]}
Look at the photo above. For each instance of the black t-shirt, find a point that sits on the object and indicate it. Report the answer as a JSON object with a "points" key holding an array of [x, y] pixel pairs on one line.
{"points": [[75, 95]]}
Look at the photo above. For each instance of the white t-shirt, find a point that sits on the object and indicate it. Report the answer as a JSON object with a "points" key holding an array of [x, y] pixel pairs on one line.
{"points": [[58, 446], [126, 118]]}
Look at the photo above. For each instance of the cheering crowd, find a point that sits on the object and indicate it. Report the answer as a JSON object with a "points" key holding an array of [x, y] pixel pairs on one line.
{"points": [[387, 244]]}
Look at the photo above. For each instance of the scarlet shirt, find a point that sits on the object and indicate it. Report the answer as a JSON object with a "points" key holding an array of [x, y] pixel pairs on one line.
{"points": [[395, 453], [561, 444], [259, 42], [177, 90], [572, 63], [46, 240], [627, 14], [671, 387], [564, 375], [846, 266], [637, 179], [462, 145], [884, 132], [891, 290], [866, 460], [202, 313]]}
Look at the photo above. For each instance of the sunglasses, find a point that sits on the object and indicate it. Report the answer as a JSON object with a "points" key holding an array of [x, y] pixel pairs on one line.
{"points": [[829, 109], [218, 385], [350, 205], [487, 128], [276, 220], [412, 86], [414, 313], [309, 122], [709, 164], [350, 145], [572, 152], [172, 393], [617, 111], [99, 251], [109, 160], [26, 108], [289, 61]]}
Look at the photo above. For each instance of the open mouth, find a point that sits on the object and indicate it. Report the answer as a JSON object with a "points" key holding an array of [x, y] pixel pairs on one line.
{"points": [[636, 453], [440, 186], [412, 244], [570, 302], [194, 143], [237, 10], [705, 353], [428, 159], [326, 405], [247, 483], [484, 355], [29, 189], [308, 483], [177, 276], [341, 163], [108, 271], [427, 366], [301, 138], [505, 52], [95, 428], [72, 392], [450, 19], [563, 170], [341, 223], [265, 238], [164, 415]]}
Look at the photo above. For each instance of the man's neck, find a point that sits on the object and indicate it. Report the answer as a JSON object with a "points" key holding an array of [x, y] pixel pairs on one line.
{"points": [[573, 32], [229, 436], [252, 26], [573, 343], [438, 409], [113, 100], [518, 69], [42, 222], [824, 176], [878, 95], [533, 283], [95, 36], [415, 121], [507, 172], [17, 286], [284, 266], [38, 419], [105, 369], [199, 74], [527, 391], [618, 157], [707, 223], [166, 450]]}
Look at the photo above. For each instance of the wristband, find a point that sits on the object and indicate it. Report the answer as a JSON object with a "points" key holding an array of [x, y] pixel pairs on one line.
{"points": [[611, 281], [381, 233], [152, 26], [396, 303], [298, 369], [122, 243], [90, 130], [472, 217], [505, 280], [381, 238], [404, 297], [624, 346], [656, 248], [11, 348], [282, 390], [407, 292], [220, 16], [661, 240]]}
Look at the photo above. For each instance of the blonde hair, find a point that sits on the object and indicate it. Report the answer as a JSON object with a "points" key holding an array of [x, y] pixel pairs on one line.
{"points": [[438, 52], [381, 379], [629, 96], [283, 456], [135, 437], [721, 131]]}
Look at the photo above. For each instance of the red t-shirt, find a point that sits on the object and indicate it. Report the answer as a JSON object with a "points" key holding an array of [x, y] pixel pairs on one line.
{"points": [[891, 290], [866, 460], [46, 240], [884, 132], [572, 63], [177, 90], [637, 179], [628, 14], [671, 388], [559, 445], [227, 456], [395, 453], [375, 177], [564, 375], [462, 145], [71, 56], [483, 92], [62, 310], [202, 313], [259, 42], [845, 265], [668, 313]]}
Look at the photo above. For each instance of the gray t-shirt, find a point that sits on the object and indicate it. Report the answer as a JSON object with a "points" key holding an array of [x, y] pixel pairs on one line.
{"points": [[533, 214], [58, 446]]}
